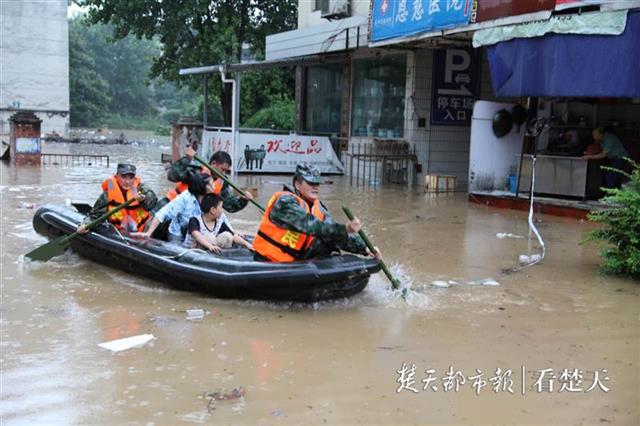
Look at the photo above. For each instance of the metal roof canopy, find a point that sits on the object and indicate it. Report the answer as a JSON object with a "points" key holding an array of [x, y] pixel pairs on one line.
{"points": [[222, 69], [256, 65]]}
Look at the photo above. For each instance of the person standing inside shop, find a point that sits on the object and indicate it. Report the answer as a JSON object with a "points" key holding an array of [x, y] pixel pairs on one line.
{"points": [[613, 151]]}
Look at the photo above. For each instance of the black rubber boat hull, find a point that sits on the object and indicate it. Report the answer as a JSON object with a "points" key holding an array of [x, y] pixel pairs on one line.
{"points": [[232, 275]]}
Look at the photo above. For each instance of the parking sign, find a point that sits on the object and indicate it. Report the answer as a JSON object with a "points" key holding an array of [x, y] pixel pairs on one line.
{"points": [[455, 86]]}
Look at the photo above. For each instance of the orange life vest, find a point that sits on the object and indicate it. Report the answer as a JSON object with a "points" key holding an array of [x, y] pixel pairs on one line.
{"points": [[115, 198], [181, 186], [284, 245], [179, 189]]}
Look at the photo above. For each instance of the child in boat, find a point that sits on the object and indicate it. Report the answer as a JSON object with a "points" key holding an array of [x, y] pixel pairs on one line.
{"points": [[211, 230], [180, 210]]}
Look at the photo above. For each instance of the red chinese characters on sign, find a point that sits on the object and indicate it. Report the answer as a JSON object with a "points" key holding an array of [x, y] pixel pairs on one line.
{"points": [[294, 147], [314, 147], [274, 146]]}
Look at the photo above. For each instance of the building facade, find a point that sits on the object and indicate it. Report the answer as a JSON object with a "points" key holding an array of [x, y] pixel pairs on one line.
{"points": [[382, 95], [34, 57]]}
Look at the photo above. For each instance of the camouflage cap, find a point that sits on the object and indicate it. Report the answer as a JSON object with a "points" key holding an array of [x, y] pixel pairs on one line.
{"points": [[309, 173], [126, 169]]}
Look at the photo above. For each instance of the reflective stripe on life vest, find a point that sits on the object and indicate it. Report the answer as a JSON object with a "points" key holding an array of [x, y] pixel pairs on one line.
{"points": [[115, 198], [284, 245]]}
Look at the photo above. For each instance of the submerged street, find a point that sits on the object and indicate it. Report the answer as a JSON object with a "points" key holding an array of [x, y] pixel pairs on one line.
{"points": [[338, 362]]}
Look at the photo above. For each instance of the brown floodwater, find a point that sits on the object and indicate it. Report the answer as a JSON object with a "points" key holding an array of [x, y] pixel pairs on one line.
{"points": [[335, 362]]}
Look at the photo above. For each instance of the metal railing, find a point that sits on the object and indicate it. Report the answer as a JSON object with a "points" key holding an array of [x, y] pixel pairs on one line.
{"points": [[74, 160], [381, 162]]}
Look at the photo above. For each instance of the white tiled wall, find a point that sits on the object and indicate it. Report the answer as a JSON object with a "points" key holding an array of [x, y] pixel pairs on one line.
{"points": [[442, 150]]}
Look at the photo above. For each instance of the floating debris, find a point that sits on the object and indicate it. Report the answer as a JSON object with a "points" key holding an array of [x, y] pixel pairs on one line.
{"points": [[525, 259], [440, 284], [236, 393], [25, 205], [195, 314], [503, 235], [449, 283], [127, 343], [489, 282]]}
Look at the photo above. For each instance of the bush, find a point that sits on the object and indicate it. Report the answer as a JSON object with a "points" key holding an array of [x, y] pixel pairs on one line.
{"points": [[621, 220], [147, 122], [163, 131], [277, 116]]}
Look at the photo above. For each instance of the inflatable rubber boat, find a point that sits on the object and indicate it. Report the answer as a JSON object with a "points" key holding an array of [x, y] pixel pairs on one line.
{"points": [[232, 274]]}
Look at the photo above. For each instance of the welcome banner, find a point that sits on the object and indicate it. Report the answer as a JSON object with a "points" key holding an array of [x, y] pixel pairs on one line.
{"points": [[268, 153]]}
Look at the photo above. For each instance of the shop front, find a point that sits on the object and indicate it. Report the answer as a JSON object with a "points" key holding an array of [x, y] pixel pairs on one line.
{"points": [[582, 72]]}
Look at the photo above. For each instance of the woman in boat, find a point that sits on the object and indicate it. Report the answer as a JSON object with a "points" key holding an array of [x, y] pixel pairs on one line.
{"points": [[181, 209], [297, 226], [211, 230], [118, 189]]}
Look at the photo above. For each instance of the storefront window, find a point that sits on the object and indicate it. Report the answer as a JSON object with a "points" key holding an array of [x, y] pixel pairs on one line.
{"points": [[378, 97], [323, 98]]}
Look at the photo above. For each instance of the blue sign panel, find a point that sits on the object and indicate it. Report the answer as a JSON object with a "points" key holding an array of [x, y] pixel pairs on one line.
{"points": [[399, 18], [455, 85]]}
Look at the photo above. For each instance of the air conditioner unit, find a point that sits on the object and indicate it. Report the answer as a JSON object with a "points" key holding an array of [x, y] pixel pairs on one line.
{"points": [[338, 9]]}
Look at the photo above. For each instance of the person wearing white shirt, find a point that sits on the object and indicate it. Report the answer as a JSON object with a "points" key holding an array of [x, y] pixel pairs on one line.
{"points": [[211, 229]]}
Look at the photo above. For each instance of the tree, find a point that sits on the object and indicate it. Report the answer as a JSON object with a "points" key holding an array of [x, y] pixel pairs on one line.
{"points": [[278, 115], [124, 64], [259, 90], [110, 82], [196, 32], [88, 90]]}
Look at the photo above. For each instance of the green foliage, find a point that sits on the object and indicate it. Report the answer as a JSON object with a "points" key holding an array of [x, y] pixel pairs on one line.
{"points": [[109, 82], [88, 89], [163, 131], [259, 88], [621, 227], [123, 65], [278, 115], [122, 121], [196, 32]]}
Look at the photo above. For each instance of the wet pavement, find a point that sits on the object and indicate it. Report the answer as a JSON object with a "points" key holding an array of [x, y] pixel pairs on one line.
{"points": [[248, 362]]}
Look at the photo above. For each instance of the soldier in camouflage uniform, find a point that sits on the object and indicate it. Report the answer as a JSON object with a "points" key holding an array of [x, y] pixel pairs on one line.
{"points": [[220, 161], [297, 226]]}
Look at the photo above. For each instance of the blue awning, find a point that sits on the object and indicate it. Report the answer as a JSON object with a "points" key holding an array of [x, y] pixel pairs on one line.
{"points": [[569, 65]]}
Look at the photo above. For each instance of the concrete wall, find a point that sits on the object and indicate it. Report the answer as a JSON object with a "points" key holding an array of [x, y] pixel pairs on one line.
{"points": [[307, 17], [34, 52], [322, 38]]}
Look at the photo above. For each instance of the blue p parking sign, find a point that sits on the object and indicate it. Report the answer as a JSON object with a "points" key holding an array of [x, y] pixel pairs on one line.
{"points": [[455, 86]]}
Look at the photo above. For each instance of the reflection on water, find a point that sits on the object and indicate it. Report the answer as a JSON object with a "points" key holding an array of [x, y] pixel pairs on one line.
{"points": [[333, 362]]}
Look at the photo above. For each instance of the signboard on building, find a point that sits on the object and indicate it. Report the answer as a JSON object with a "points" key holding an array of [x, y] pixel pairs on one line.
{"points": [[601, 23], [268, 153], [486, 10], [400, 18], [455, 86], [28, 145]]}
